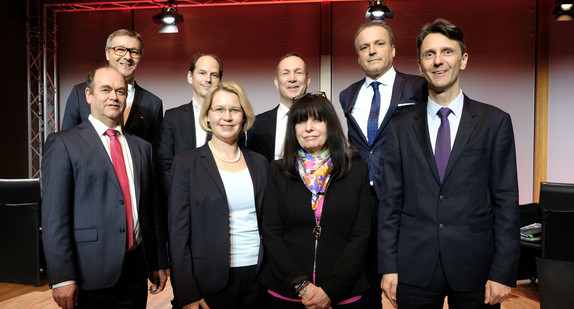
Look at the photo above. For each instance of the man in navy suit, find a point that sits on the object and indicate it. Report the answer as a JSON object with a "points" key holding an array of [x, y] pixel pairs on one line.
{"points": [[268, 132], [144, 111], [180, 130], [84, 214], [398, 92], [449, 218]]}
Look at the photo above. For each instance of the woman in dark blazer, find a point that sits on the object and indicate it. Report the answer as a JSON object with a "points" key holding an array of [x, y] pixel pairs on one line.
{"points": [[215, 203], [316, 214]]}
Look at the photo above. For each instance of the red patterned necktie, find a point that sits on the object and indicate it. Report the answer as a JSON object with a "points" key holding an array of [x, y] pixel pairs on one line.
{"points": [[120, 168]]}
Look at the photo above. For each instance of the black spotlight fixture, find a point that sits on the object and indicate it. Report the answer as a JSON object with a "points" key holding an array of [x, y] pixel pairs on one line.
{"points": [[564, 10], [378, 12], [168, 17]]}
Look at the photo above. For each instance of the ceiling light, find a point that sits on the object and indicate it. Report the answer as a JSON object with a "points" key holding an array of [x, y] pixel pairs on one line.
{"points": [[563, 10], [168, 17], [378, 11]]}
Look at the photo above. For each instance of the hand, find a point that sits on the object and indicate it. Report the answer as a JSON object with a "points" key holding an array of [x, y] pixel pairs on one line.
{"points": [[495, 292], [66, 296], [389, 286], [159, 280], [196, 305], [315, 298]]}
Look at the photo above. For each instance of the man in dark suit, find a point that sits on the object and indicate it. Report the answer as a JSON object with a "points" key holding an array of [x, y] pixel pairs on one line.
{"points": [[268, 132], [397, 92], [98, 203], [449, 223], [144, 111], [180, 130]]}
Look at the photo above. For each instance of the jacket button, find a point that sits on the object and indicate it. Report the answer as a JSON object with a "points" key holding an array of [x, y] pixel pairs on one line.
{"points": [[121, 202], [441, 226], [122, 230], [442, 198]]}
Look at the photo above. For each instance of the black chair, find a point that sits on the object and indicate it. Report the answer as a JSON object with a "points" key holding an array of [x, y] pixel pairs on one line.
{"points": [[20, 244], [556, 196], [557, 240], [556, 266], [555, 283]]}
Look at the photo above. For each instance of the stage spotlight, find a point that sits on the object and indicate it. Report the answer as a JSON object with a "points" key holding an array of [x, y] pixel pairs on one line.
{"points": [[378, 12], [168, 17], [564, 10]]}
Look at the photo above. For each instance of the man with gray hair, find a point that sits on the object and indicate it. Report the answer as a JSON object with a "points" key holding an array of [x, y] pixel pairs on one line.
{"points": [[144, 111], [369, 105]]}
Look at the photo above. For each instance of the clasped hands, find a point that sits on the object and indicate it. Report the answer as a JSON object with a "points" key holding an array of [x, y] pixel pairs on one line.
{"points": [[315, 298]]}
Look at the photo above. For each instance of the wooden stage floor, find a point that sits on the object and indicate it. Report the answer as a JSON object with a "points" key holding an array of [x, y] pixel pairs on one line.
{"points": [[18, 296]]}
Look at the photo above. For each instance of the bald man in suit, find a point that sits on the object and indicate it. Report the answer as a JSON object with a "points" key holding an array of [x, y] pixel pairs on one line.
{"points": [[98, 228]]}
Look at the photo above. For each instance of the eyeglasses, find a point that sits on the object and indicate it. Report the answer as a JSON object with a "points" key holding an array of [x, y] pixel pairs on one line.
{"points": [[121, 51], [220, 110], [312, 94]]}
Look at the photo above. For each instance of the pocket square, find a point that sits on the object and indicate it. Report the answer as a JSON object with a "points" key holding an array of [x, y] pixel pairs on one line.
{"points": [[406, 104]]}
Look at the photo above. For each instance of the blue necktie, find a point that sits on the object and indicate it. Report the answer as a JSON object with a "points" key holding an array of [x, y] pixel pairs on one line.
{"points": [[373, 123], [442, 146]]}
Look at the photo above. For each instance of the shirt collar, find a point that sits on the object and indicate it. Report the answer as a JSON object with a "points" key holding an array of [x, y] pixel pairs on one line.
{"points": [[455, 106], [196, 107], [101, 127], [282, 110], [386, 79]]}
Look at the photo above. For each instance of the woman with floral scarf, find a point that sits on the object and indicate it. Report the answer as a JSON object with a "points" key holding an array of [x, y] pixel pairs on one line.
{"points": [[316, 214]]}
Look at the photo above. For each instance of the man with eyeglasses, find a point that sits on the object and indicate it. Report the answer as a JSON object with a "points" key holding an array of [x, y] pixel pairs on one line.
{"points": [[369, 105], [268, 132], [144, 111]]}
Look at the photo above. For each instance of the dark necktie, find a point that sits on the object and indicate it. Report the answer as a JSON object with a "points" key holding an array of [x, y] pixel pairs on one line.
{"points": [[442, 146], [121, 173], [373, 123]]}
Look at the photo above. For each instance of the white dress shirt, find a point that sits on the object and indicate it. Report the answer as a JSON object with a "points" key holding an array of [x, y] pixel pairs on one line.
{"points": [[280, 130], [362, 107], [200, 135]]}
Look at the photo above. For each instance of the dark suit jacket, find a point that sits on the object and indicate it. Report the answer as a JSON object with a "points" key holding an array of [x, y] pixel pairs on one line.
{"points": [[288, 222], [177, 135], [199, 222], [406, 89], [144, 120], [261, 137], [83, 213], [471, 220]]}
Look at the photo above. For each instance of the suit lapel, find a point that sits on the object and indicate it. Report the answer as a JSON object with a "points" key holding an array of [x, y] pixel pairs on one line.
{"points": [[398, 86], [135, 109], [420, 127], [465, 129], [208, 163], [354, 93], [271, 122], [137, 164], [88, 133], [189, 124]]}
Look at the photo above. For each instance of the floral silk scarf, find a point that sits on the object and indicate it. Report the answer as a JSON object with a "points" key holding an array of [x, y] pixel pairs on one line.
{"points": [[313, 170]]}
